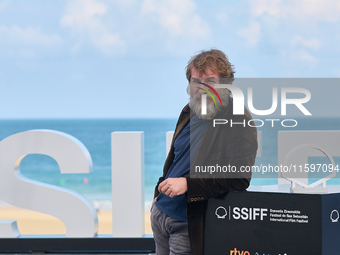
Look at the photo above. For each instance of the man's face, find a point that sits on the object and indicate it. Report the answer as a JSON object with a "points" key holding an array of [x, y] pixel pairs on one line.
{"points": [[210, 78]]}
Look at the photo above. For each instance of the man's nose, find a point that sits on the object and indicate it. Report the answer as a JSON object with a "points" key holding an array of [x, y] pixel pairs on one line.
{"points": [[201, 91]]}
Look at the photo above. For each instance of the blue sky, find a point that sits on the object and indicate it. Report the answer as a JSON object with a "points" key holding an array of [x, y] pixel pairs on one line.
{"points": [[127, 58]]}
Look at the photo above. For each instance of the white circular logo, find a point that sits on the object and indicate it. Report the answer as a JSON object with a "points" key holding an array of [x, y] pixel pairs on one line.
{"points": [[221, 212], [334, 216]]}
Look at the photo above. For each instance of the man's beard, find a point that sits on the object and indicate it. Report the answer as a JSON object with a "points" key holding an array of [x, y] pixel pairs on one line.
{"points": [[212, 109]]}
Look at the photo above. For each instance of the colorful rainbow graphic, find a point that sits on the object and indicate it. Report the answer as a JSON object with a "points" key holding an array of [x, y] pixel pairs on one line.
{"points": [[209, 93]]}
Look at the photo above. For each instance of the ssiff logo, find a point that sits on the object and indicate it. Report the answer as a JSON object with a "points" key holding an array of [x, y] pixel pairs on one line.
{"points": [[244, 213]]}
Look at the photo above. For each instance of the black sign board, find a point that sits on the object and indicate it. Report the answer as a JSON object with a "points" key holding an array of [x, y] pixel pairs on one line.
{"points": [[258, 223]]}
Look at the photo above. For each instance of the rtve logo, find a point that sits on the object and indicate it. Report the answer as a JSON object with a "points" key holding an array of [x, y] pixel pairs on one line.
{"points": [[238, 102], [236, 252]]}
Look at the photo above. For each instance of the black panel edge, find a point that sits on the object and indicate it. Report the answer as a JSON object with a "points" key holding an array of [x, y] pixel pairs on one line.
{"points": [[77, 245]]}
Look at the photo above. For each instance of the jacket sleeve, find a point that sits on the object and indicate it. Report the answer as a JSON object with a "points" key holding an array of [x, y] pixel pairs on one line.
{"points": [[200, 189], [182, 121], [238, 149]]}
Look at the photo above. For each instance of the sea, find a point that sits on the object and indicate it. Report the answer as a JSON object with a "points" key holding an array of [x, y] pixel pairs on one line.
{"points": [[95, 134]]}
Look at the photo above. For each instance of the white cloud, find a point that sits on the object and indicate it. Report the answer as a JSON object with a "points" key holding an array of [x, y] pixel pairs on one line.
{"points": [[290, 27], [252, 33], [305, 56], [313, 44], [272, 7], [85, 19], [316, 10], [302, 48], [3, 5], [126, 4], [273, 15], [16, 35], [178, 17]]}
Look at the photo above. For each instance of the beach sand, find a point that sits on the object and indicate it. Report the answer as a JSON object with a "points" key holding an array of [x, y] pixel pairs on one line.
{"points": [[35, 223]]}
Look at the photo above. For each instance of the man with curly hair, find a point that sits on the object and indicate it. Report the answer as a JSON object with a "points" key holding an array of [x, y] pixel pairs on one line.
{"points": [[181, 195]]}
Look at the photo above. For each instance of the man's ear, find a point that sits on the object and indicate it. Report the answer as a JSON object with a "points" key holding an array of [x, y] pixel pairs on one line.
{"points": [[188, 89]]}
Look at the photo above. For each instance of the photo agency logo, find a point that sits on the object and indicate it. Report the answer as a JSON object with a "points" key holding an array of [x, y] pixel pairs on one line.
{"points": [[239, 103], [204, 97]]}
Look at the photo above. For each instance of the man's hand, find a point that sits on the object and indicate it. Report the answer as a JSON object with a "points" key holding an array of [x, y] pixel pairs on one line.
{"points": [[154, 200], [173, 186]]}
